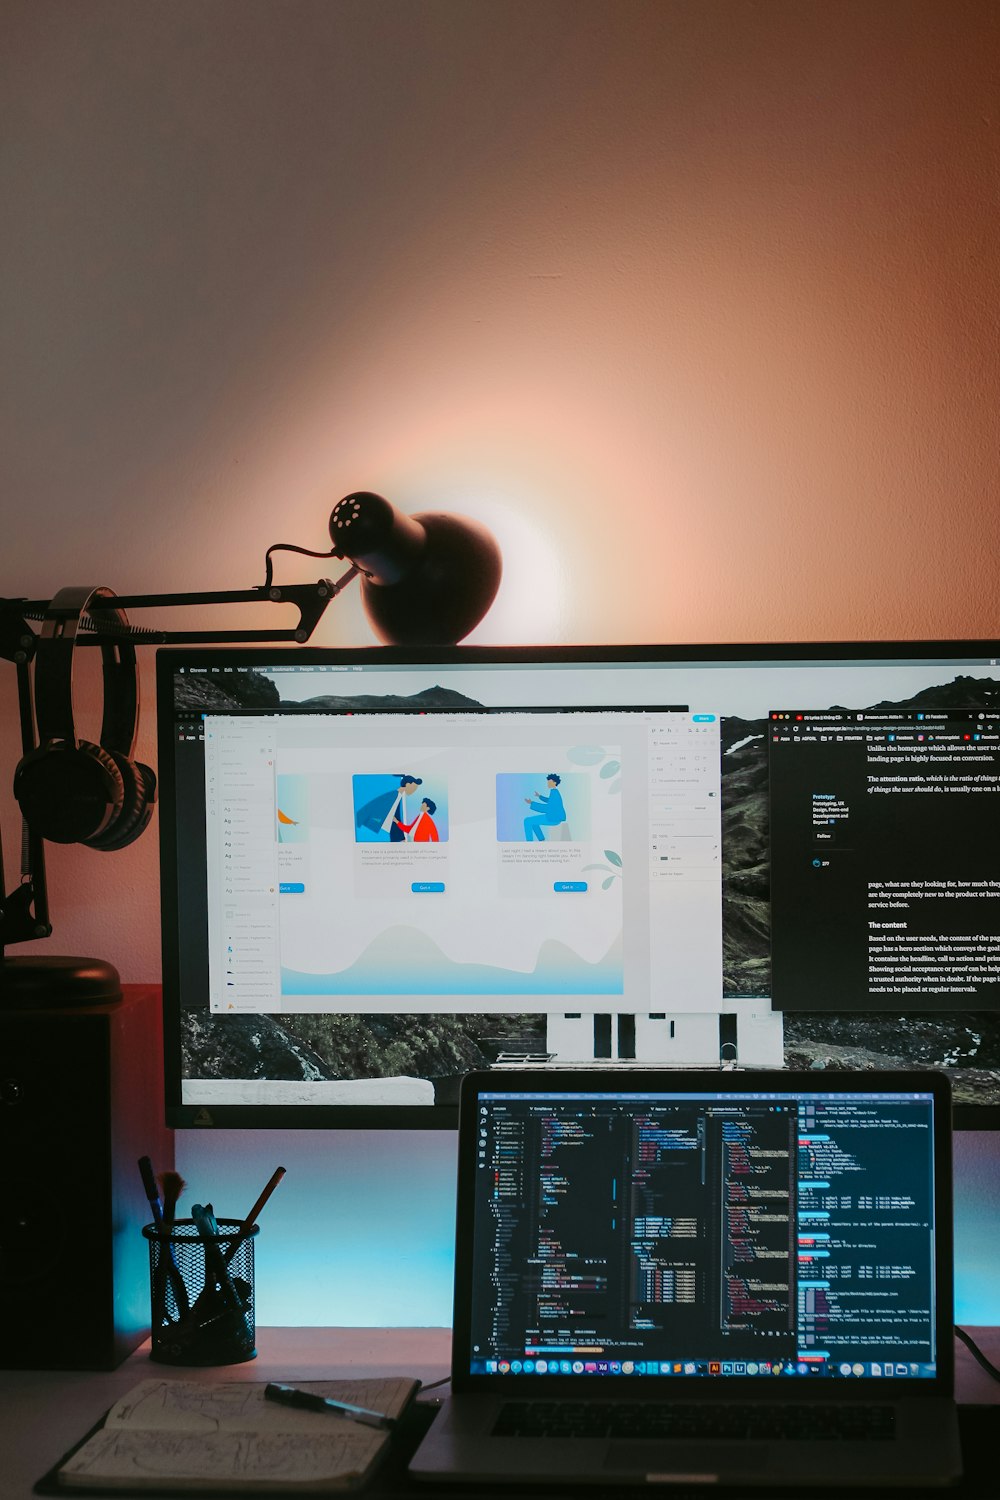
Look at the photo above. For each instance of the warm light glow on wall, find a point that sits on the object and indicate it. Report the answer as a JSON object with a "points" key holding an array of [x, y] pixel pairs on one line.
{"points": [[537, 570], [693, 304]]}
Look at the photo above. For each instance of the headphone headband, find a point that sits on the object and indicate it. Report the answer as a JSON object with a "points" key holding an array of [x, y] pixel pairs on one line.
{"points": [[54, 673]]}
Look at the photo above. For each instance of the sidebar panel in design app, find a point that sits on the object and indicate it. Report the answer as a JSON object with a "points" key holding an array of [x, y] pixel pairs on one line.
{"points": [[242, 864], [685, 862]]}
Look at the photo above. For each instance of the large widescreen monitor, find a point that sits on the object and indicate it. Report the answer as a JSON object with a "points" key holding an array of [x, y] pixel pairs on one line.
{"points": [[383, 868]]}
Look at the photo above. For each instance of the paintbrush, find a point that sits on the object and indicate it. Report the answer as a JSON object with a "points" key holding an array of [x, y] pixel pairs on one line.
{"points": [[171, 1186], [167, 1267]]}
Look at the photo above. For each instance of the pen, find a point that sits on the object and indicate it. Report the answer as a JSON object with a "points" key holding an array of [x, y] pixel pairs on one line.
{"points": [[216, 1271], [290, 1395]]}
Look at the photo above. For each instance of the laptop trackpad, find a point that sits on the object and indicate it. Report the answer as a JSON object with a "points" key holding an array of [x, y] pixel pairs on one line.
{"points": [[691, 1461]]}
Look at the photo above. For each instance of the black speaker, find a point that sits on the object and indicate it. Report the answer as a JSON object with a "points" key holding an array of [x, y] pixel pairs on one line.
{"points": [[81, 1099]]}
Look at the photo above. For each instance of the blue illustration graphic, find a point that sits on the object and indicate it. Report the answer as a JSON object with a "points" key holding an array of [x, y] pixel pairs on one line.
{"points": [[542, 807], [547, 808], [397, 809]]}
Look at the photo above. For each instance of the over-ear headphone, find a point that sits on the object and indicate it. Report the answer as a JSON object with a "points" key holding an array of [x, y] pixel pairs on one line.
{"points": [[69, 790]]}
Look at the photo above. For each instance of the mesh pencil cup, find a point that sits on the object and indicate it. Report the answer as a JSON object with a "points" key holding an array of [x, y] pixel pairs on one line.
{"points": [[201, 1293]]}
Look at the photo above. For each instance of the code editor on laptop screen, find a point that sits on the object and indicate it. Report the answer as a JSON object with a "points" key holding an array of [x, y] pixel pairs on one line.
{"points": [[729, 1234]]}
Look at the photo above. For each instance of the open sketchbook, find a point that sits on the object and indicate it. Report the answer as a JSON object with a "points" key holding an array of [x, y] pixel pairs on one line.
{"points": [[193, 1435]]}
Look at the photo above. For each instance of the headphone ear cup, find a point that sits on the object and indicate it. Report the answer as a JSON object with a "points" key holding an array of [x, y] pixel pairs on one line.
{"points": [[69, 794], [139, 784]]}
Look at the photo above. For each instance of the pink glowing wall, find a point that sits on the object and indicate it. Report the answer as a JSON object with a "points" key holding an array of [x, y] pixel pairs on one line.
{"points": [[693, 301]]}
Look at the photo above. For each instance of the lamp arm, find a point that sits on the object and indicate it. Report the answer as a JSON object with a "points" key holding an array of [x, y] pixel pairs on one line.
{"points": [[310, 599], [24, 912]]}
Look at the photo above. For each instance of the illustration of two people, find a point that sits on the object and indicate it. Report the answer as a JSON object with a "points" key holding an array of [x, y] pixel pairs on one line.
{"points": [[394, 813], [548, 807]]}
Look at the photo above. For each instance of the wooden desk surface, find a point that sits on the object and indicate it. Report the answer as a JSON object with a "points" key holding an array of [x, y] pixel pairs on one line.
{"points": [[44, 1412]]}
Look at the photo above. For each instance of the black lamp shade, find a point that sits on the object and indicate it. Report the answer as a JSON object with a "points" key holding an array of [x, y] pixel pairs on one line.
{"points": [[428, 579]]}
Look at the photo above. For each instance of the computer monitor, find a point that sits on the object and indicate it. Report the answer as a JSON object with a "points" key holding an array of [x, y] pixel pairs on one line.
{"points": [[382, 869]]}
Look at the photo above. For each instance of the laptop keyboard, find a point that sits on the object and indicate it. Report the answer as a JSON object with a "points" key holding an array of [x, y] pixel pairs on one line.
{"points": [[591, 1419]]}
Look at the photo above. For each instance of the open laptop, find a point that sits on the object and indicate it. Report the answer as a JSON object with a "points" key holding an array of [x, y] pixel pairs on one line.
{"points": [[701, 1278]]}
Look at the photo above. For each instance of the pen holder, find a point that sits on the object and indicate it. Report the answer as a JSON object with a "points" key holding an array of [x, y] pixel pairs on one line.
{"points": [[201, 1293]]}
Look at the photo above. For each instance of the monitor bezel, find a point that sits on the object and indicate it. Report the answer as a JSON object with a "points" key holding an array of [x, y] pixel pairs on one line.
{"points": [[442, 1115]]}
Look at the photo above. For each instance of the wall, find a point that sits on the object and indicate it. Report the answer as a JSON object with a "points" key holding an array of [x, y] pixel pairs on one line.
{"points": [[694, 302]]}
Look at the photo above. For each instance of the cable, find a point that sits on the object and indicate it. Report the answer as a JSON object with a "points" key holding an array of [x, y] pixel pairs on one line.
{"points": [[286, 547], [977, 1353]]}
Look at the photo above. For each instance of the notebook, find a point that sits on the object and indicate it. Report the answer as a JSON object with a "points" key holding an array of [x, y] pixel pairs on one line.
{"points": [[719, 1277], [176, 1436]]}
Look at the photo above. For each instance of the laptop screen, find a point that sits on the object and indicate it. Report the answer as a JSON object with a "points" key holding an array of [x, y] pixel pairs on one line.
{"points": [[723, 1225]]}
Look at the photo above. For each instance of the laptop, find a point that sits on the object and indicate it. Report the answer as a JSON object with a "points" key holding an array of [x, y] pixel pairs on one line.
{"points": [[686, 1278]]}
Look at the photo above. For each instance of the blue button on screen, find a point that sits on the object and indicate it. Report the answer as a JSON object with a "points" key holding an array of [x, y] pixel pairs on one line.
{"points": [[427, 887], [570, 885], [291, 888]]}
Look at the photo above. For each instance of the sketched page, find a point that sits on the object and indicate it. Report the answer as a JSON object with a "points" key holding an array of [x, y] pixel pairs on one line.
{"points": [[242, 1461], [202, 1435], [239, 1406]]}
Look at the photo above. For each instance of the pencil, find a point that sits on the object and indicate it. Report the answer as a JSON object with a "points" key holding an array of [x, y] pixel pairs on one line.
{"points": [[251, 1217]]}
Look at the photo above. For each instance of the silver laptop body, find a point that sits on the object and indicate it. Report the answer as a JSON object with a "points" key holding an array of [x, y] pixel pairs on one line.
{"points": [[765, 1256]]}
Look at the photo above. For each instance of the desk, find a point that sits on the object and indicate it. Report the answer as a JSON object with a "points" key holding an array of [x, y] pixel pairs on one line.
{"points": [[43, 1413]]}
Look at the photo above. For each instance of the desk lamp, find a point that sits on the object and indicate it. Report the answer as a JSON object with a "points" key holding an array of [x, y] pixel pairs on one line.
{"points": [[426, 579]]}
